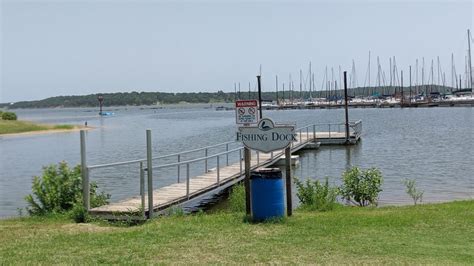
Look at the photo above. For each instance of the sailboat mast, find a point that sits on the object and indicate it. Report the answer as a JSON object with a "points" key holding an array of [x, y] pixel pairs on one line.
{"points": [[469, 54], [410, 85], [283, 98], [310, 81], [276, 87], [369, 69], [390, 63], [327, 83], [439, 72], [239, 91], [423, 74], [301, 84], [452, 70], [249, 92], [290, 91]]}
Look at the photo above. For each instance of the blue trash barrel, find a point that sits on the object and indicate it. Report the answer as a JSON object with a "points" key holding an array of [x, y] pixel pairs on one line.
{"points": [[267, 193]]}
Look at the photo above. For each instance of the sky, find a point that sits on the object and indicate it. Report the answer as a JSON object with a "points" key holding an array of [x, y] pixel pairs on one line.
{"points": [[52, 48]]}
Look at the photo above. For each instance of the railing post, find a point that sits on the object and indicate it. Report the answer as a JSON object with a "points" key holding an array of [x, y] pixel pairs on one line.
{"points": [[142, 187], [218, 171], [227, 154], [149, 168], [179, 167], [329, 131], [307, 133], [314, 132], [271, 155], [187, 180], [205, 164], [85, 173]]}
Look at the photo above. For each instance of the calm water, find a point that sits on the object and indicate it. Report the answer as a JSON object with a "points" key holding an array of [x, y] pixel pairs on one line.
{"points": [[434, 146]]}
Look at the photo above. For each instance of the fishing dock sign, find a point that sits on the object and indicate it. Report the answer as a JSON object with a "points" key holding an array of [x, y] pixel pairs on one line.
{"points": [[246, 112], [266, 136]]}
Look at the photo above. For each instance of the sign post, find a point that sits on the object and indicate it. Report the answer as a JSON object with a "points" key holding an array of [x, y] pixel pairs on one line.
{"points": [[267, 137], [289, 202], [247, 157]]}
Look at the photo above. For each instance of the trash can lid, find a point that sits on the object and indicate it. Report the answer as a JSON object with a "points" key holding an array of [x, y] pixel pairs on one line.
{"points": [[266, 173]]}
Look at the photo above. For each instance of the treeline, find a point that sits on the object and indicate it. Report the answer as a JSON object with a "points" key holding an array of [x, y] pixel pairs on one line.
{"points": [[155, 98], [127, 98]]}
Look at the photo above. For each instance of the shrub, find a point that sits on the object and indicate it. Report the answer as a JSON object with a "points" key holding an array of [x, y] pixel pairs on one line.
{"points": [[237, 198], [315, 195], [59, 189], [415, 194], [9, 116], [361, 187], [79, 213]]}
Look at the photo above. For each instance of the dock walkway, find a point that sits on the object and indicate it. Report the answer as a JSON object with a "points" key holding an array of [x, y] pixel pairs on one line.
{"points": [[212, 179]]}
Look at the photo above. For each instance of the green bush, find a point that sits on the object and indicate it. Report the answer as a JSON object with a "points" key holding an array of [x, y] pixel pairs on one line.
{"points": [[415, 193], [9, 116], [237, 198], [59, 190], [361, 187], [79, 213], [315, 195]]}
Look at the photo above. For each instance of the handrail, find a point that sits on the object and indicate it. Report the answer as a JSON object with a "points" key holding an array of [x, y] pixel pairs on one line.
{"points": [[194, 150], [352, 124], [197, 159], [97, 166]]}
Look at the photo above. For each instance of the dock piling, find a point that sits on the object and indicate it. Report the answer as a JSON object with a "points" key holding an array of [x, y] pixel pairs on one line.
{"points": [[149, 169], [227, 154], [179, 166], [205, 163], [85, 173], [247, 156], [187, 180], [142, 188], [218, 171]]}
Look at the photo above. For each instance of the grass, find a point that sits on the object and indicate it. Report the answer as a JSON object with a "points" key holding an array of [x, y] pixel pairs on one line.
{"points": [[9, 127], [428, 234]]}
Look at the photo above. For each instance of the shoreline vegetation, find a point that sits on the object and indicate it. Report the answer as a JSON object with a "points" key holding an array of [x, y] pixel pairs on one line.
{"points": [[160, 98], [422, 234], [18, 127]]}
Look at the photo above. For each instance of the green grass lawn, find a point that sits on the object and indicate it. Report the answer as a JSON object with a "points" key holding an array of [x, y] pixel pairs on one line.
{"points": [[430, 234], [10, 126]]}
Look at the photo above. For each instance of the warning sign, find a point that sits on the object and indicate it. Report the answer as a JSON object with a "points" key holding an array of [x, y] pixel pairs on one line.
{"points": [[246, 112]]}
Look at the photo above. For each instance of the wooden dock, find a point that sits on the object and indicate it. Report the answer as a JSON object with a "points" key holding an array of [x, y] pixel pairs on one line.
{"points": [[221, 176]]}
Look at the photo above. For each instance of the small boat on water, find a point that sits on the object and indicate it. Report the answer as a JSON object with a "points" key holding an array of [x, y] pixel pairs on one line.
{"points": [[106, 113], [222, 108]]}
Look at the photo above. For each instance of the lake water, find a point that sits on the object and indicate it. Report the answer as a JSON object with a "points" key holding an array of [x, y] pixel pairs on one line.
{"points": [[432, 145]]}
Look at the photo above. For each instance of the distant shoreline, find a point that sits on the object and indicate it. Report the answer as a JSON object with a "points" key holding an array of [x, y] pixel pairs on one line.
{"points": [[26, 128], [47, 131]]}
